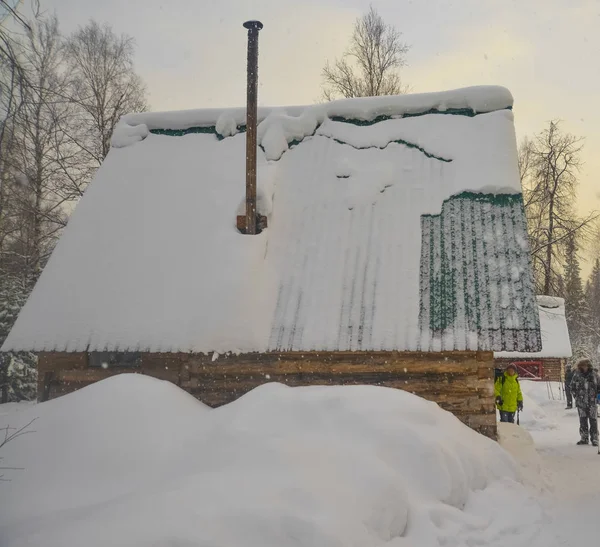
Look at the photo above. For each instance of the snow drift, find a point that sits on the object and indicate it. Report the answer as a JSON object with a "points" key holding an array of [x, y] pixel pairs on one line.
{"points": [[134, 461]]}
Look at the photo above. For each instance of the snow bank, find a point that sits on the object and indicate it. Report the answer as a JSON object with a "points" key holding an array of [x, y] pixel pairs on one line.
{"points": [[519, 443], [133, 461]]}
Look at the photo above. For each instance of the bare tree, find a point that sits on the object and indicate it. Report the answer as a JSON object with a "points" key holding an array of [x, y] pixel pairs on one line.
{"points": [[370, 66], [10, 434], [594, 246], [39, 142], [12, 74], [104, 87], [32, 208], [550, 166]]}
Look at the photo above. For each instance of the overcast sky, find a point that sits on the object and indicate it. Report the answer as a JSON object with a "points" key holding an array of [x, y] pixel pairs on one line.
{"points": [[191, 53]]}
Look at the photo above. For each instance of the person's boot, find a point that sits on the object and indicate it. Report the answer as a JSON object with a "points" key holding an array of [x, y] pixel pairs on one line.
{"points": [[594, 442], [569, 407], [583, 441]]}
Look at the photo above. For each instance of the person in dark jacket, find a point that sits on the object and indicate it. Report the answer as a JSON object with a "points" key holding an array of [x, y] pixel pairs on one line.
{"points": [[568, 379], [584, 387]]}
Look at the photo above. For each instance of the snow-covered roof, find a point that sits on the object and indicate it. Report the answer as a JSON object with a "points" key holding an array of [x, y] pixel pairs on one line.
{"points": [[395, 223], [555, 333]]}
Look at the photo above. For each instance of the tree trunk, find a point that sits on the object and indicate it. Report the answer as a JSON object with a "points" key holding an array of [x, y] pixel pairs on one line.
{"points": [[548, 265]]}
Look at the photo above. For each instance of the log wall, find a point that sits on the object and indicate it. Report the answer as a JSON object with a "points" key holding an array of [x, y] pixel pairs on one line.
{"points": [[460, 382], [554, 369]]}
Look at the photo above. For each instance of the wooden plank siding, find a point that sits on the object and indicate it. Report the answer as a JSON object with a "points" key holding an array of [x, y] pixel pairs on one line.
{"points": [[460, 382]]}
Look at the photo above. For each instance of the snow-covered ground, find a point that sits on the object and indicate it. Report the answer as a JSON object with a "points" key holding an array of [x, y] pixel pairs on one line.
{"points": [[134, 461], [572, 502]]}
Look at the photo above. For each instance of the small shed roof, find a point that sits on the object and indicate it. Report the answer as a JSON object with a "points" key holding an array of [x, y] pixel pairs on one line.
{"points": [[554, 330], [395, 223]]}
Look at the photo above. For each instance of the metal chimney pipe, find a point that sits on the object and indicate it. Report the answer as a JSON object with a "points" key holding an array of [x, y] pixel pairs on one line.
{"points": [[251, 120]]}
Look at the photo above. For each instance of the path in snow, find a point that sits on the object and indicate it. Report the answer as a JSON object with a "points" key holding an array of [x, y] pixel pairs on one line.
{"points": [[572, 472]]}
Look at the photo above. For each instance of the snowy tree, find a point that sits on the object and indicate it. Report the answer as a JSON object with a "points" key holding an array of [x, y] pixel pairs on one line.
{"points": [[39, 143], [592, 294], [60, 100], [32, 203], [575, 302], [593, 289], [573, 285], [370, 66], [595, 240], [18, 375]]}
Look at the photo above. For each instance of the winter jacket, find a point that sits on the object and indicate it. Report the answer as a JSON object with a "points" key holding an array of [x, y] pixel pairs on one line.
{"points": [[509, 390], [584, 388]]}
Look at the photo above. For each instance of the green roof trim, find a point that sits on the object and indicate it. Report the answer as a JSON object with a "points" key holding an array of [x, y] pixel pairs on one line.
{"points": [[450, 111], [397, 141], [211, 129], [493, 199], [361, 123], [207, 130]]}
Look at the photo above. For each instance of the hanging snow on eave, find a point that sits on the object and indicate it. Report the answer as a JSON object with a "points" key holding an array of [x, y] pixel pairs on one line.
{"points": [[478, 99], [553, 327]]}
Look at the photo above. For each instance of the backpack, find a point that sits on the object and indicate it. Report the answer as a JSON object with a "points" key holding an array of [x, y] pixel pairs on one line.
{"points": [[498, 373]]}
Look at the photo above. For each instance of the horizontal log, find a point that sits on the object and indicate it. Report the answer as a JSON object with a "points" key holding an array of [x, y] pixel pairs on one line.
{"points": [[479, 419], [293, 367], [366, 377], [328, 356], [485, 372], [93, 375], [170, 374], [157, 360], [62, 360], [466, 386], [490, 431], [342, 356]]}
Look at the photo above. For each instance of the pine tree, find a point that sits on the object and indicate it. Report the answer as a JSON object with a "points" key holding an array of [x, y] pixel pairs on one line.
{"points": [[592, 294], [18, 373], [576, 309]]}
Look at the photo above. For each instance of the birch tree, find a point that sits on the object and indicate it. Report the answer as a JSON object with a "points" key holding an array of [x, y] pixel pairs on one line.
{"points": [[371, 65], [104, 87], [33, 205]]}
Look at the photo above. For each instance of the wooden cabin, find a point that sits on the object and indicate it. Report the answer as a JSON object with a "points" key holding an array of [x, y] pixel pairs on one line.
{"points": [[396, 254], [549, 363]]}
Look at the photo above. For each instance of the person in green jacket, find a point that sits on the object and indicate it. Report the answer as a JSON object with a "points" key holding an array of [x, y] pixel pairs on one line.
{"points": [[508, 394]]}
